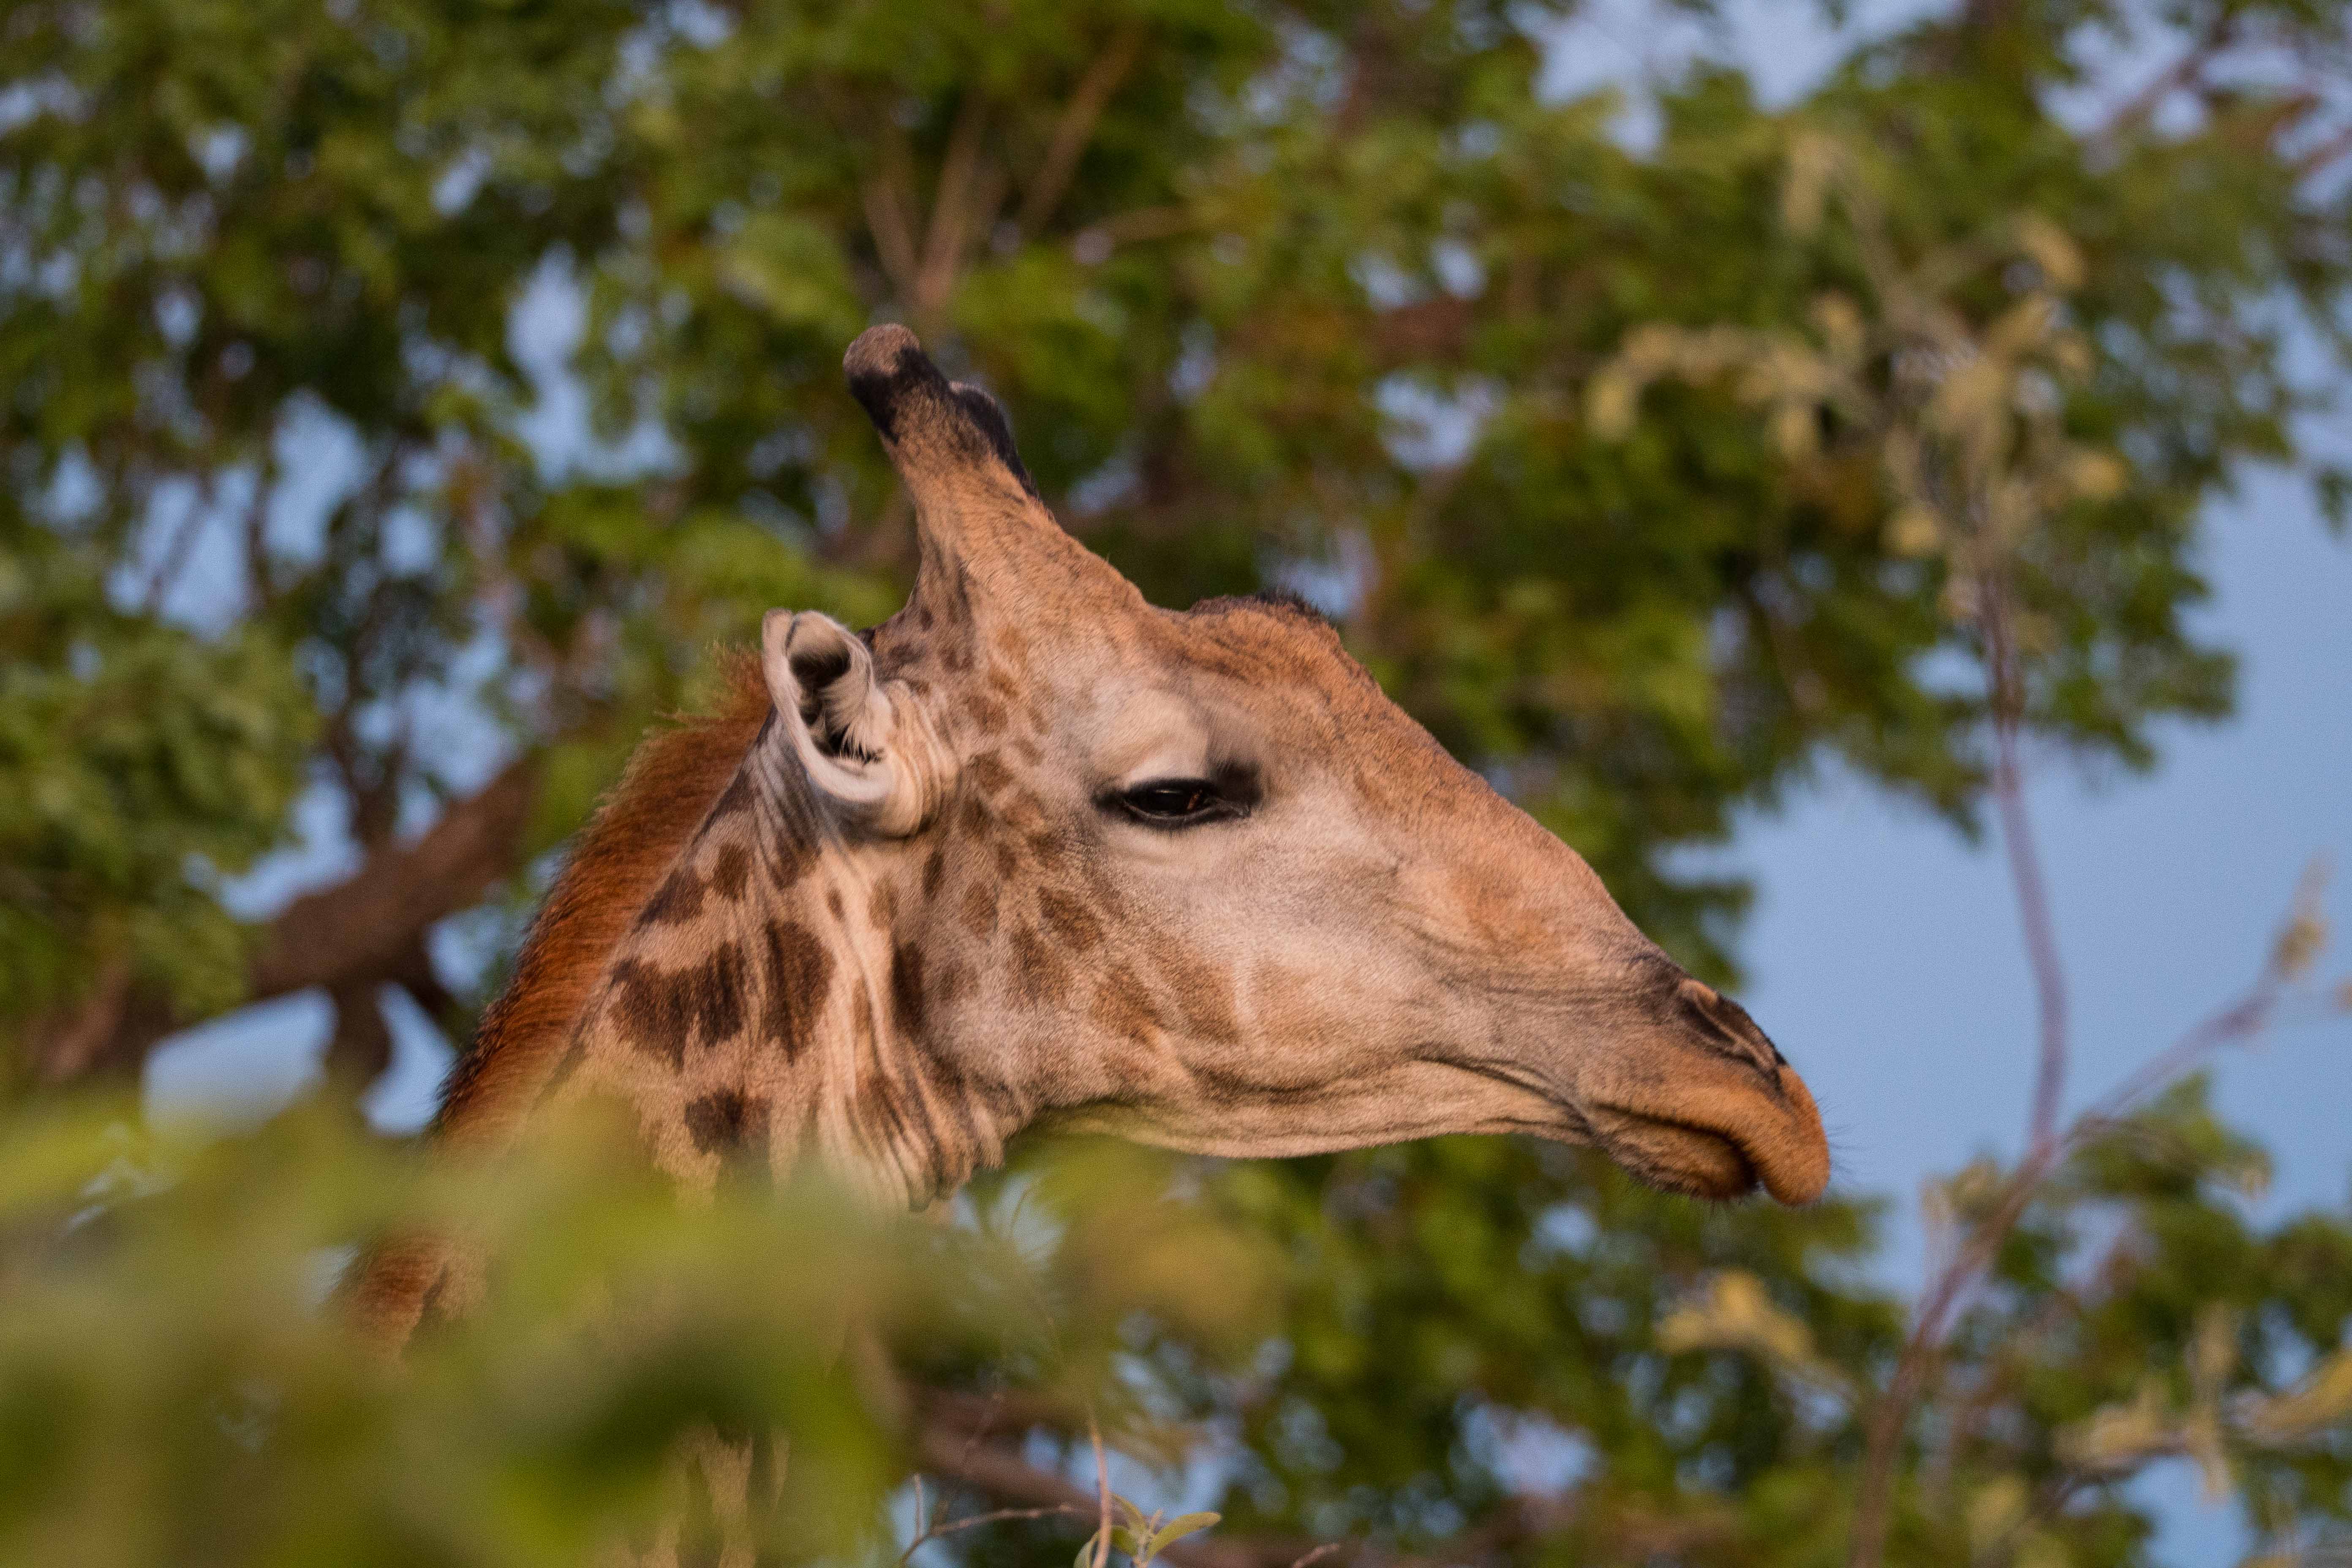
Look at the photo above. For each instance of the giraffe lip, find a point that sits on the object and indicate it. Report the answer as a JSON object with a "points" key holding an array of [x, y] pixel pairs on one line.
{"points": [[1675, 1154], [1722, 1139], [1720, 1136]]}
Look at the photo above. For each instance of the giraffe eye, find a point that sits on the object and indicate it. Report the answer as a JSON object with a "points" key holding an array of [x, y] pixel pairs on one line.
{"points": [[1179, 803]]}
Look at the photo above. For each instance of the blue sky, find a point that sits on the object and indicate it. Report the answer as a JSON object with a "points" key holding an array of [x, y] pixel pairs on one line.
{"points": [[1886, 953], [1886, 960]]}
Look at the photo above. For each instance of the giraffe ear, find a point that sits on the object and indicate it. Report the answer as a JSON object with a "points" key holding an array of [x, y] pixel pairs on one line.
{"points": [[864, 743]]}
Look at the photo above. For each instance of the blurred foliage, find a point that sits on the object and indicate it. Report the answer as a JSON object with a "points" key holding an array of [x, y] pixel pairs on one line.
{"points": [[176, 1388], [129, 751], [1651, 472], [1385, 1361]]}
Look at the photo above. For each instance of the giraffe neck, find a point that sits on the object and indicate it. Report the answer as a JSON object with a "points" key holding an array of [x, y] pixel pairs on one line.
{"points": [[761, 1008]]}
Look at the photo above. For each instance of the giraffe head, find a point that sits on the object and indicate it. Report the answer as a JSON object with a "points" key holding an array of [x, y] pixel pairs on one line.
{"points": [[1191, 878]]}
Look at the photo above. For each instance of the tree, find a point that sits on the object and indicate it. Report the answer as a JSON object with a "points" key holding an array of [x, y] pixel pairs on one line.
{"points": [[1644, 475], [1298, 295]]}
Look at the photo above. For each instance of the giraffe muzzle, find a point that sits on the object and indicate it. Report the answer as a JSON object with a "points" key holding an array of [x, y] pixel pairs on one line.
{"points": [[1722, 1136]]}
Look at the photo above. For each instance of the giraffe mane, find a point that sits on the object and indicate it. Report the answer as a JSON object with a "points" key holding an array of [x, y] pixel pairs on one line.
{"points": [[670, 783], [1277, 600]]}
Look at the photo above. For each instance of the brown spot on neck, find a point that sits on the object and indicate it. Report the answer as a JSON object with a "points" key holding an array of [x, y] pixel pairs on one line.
{"points": [[730, 872], [661, 1013], [980, 908], [989, 772], [729, 1123], [676, 900], [1202, 993], [908, 1006], [797, 978]]}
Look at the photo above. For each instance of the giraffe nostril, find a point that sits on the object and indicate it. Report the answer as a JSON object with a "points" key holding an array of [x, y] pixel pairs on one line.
{"points": [[1726, 1024]]}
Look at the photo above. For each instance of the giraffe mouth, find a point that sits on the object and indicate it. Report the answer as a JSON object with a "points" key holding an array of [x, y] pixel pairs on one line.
{"points": [[1723, 1143], [1675, 1155]]}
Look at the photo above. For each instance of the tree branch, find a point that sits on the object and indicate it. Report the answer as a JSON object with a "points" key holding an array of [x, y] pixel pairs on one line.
{"points": [[968, 191], [347, 939], [1102, 1492], [1002, 1474], [173, 558], [886, 196], [1077, 126], [364, 925], [951, 1449], [2314, 160], [996, 1516], [2025, 870], [1873, 1507], [65, 1044], [2144, 103]]}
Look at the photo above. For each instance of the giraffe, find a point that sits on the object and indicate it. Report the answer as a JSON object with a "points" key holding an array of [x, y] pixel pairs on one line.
{"points": [[1035, 849]]}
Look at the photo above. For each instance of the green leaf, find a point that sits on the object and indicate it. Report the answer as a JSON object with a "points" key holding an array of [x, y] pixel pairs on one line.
{"points": [[1182, 1525]]}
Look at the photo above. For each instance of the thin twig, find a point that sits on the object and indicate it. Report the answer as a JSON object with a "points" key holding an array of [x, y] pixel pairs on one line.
{"points": [[2164, 83], [2313, 160], [996, 1516], [2025, 871], [1891, 1413], [2046, 1144], [996, 1399], [174, 557], [887, 193], [1102, 1490], [2241, 1020]]}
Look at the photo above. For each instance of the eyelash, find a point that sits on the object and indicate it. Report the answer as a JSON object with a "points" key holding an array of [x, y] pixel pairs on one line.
{"points": [[1168, 804]]}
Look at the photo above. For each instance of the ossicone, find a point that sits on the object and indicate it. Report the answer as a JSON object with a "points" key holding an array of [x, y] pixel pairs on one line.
{"points": [[928, 423]]}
